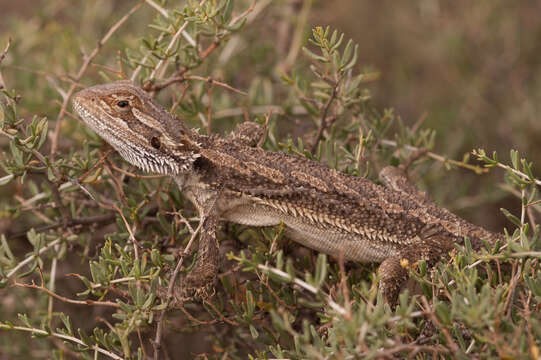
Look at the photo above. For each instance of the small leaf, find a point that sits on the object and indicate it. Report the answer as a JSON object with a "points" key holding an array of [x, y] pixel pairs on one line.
{"points": [[514, 158], [515, 220], [314, 56], [253, 332]]}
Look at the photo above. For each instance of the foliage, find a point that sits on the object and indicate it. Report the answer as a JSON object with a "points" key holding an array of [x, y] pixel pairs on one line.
{"points": [[88, 244]]}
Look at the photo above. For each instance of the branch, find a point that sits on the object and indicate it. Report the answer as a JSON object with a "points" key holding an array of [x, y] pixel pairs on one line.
{"points": [[65, 299], [323, 122], [4, 53], [89, 220]]}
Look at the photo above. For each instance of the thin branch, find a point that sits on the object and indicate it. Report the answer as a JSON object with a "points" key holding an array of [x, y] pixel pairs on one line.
{"points": [[65, 299], [130, 231], [431, 315], [89, 220], [4, 53], [298, 37], [477, 169], [323, 124], [213, 81], [261, 109], [158, 69], [164, 13], [32, 257], [144, 60], [202, 56]]}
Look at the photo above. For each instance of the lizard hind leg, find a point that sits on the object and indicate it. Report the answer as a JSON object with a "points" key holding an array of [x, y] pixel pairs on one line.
{"points": [[394, 271]]}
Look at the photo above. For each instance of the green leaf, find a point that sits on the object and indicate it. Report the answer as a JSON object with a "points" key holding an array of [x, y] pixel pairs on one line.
{"points": [[314, 56], [67, 323], [321, 270], [515, 220], [253, 332], [514, 158], [443, 312]]}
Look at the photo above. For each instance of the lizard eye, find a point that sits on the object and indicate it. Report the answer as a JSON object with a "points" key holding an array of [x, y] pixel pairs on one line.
{"points": [[155, 142], [122, 103]]}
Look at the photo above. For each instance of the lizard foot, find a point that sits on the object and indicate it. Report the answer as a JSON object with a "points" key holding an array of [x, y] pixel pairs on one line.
{"points": [[393, 273], [195, 288]]}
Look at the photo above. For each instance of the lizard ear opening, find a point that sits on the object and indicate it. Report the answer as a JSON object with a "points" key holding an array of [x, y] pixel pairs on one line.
{"points": [[155, 142]]}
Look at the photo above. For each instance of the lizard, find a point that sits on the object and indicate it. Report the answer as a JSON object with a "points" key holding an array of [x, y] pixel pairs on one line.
{"points": [[232, 179]]}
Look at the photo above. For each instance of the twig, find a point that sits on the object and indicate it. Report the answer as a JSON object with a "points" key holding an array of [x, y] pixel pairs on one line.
{"points": [[164, 13], [161, 63], [323, 124], [298, 37], [202, 56], [130, 231], [518, 173], [209, 106], [261, 109], [213, 81], [89, 220], [220, 315], [65, 299], [179, 100], [144, 60], [64, 212], [182, 78], [136, 176], [477, 169], [32, 257], [112, 282], [428, 311], [4, 53]]}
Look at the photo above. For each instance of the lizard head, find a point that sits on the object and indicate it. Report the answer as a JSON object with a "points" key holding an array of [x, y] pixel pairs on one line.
{"points": [[141, 130]]}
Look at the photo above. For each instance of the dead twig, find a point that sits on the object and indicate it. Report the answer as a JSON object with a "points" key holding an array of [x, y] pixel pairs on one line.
{"points": [[324, 124], [65, 299]]}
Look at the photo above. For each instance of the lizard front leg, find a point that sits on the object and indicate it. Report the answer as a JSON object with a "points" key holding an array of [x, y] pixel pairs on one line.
{"points": [[199, 283]]}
